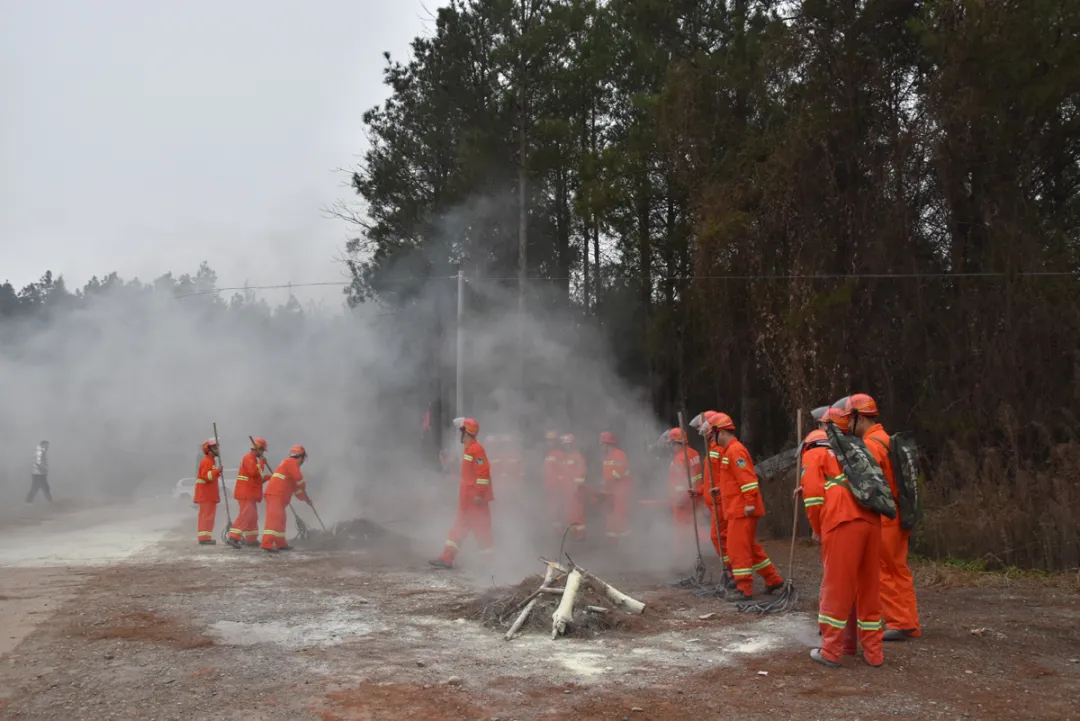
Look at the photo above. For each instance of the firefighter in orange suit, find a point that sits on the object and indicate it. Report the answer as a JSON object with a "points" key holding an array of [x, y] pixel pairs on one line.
{"points": [[574, 488], [253, 473], [850, 596], [897, 584], [617, 489], [553, 481], [207, 494], [743, 506], [683, 496], [710, 491], [286, 481], [474, 495], [815, 449]]}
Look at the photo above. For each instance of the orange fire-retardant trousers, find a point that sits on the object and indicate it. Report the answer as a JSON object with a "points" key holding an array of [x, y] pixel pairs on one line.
{"points": [[274, 531], [719, 542], [617, 511], [207, 519], [575, 510], [246, 525], [851, 553], [471, 518], [747, 555], [897, 586]]}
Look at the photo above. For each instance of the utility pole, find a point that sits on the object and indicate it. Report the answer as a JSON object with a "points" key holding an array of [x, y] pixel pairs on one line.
{"points": [[459, 385]]}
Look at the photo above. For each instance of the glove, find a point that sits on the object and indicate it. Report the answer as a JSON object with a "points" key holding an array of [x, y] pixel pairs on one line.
{"points": [[714, 491], [815, 538], [797, 492], [748, 510]]}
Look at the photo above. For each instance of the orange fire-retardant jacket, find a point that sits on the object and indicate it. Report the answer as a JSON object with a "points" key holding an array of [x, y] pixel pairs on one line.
{"points": [[812, 482], [840, 505], [878, 441], [553, 470], [206, 485], [715, 470], [677, 476], [250, 478], [475, 475], [287, 480], [739, 483], [616, 468], [573, 472]]}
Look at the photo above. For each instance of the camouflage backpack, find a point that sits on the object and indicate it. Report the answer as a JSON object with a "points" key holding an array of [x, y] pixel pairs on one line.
{"points": [[865, 478], [904, 456]]}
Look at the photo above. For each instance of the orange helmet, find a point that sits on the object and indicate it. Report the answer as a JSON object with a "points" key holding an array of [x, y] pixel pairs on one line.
{"points": [[259, 443], [862, 404], [567, 439], [608, 437], [839, 418], [815, 436], [675, 435], [208, 444], [297, 451], [470, 426], [551, 436], [721, 421]]}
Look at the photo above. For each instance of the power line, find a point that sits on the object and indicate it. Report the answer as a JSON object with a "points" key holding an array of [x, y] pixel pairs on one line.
{"points": [[775, 276]]}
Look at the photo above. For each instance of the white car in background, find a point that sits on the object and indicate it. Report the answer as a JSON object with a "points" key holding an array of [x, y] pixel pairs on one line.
{"points": [[185, 487]]}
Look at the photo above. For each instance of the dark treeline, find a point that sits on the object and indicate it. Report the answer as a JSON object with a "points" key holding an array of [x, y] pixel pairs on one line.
{"points": [[766, 205]]}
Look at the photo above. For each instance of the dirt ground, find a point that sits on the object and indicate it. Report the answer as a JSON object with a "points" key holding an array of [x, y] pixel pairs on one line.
{"points": [[181, 632]]}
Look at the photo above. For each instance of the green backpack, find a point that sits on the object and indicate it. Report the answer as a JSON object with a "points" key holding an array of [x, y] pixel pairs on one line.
{"points": [[865, 478], [904, 456]]}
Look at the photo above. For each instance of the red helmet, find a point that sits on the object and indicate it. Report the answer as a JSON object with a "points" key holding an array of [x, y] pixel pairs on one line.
{"points": [[675, 435], [815, 436], [840, 419], [259, 443], [470, 426], [567, 439], [297, 451], [208, 444], [721, 421], [862, 404], [608, 437]]}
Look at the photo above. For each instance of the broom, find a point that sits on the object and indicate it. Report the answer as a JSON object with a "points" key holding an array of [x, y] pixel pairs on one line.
{"points": [[787, 596]]}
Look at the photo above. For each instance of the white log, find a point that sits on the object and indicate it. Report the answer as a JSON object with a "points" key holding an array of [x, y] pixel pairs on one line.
{"points": [[616, 596], [524, 615], [596, 609], [564, 614], [555, 591]]}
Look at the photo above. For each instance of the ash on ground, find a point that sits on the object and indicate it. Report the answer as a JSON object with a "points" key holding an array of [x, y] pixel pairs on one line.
{"points": [[358, 533]]}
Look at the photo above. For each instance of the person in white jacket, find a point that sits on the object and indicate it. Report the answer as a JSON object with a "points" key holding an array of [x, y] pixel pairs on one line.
{"points": [[40, 476]]}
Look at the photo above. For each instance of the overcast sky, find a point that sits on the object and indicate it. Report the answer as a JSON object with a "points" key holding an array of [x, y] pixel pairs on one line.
{"points": [[145, 136]]}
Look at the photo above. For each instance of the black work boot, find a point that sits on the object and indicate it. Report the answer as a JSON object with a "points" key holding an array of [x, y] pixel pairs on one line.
{"points": [[234, 543], [270, 550], [770, 590], [737, 596], [894, 634], [441, 564], [211, 542]]}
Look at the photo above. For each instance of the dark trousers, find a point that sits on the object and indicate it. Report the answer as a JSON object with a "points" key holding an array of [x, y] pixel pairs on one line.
{"points": [[41, 483]]}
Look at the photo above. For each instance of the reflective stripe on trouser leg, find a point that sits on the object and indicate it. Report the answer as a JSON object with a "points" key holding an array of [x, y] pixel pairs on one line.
{"points": [[207, 519], [897, 585], [274, 530], [847, 552]]}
